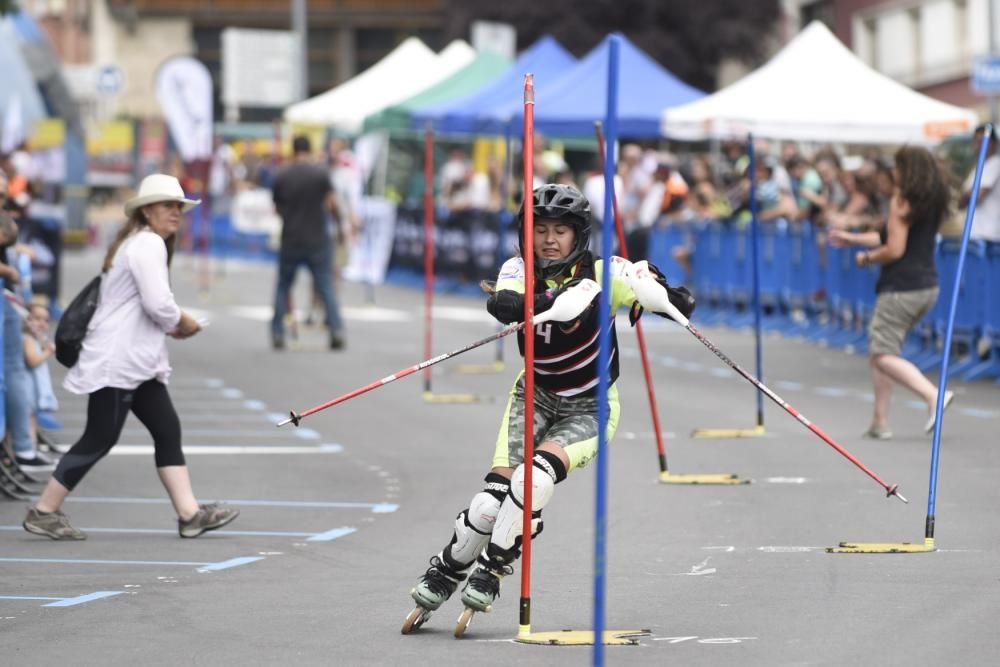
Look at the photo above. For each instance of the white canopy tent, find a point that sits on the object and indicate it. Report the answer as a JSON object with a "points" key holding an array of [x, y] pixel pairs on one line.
{"points": [[816, 89], [408, 69]]}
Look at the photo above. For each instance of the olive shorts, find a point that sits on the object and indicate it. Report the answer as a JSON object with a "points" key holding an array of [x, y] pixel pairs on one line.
{"points": [[896, 313]]}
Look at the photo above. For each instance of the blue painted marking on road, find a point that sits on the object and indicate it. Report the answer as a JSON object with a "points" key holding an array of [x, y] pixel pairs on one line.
{"points": [[306, 434], [976, 412], [790, 386], [229, 392], [83, 599], [254, 405], [232, 562], [82, 561], [202, 566], [27, 597], [170, 531], [214, 382], [331, 447], [378, 508], [331, 535], [834, 392]]}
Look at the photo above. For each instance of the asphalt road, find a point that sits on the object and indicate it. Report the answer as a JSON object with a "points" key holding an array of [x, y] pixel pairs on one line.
{"points": [[340, 515]]}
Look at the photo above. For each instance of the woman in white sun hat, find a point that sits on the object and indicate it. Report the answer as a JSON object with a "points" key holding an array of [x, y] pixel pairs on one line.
{"points": [[123, 365]]}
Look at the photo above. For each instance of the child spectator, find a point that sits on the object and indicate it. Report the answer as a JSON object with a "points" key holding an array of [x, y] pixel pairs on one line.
{"points": [[37, 350]]}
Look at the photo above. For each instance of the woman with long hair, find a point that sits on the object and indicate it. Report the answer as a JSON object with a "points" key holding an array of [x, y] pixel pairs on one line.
{"points": [[908, 282], [123, 365]]}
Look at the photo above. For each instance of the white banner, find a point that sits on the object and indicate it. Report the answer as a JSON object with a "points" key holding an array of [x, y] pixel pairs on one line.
{"points": [[253, 212], [369, 255], [184, 91]]}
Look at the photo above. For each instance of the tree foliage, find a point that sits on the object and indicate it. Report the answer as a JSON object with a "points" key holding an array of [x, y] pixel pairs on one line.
{"points": [[688, 38]]}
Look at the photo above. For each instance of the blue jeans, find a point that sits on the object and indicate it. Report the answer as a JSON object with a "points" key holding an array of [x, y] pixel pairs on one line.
{"points": [[19, 396], [319, 261]]}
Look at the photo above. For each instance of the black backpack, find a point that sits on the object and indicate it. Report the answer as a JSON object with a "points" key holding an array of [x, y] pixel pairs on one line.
{"points": [[73, 324]]}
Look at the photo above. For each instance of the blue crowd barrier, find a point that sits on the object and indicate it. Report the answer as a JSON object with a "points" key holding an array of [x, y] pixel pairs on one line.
{"points": [[817, 291]]}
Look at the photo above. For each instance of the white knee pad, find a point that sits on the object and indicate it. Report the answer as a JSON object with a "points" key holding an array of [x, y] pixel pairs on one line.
{"points": [[509, 521], [542, 487], [472, 530]]}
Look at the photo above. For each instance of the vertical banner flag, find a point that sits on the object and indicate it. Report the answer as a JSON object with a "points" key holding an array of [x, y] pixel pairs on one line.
{"points": [[184, 91]]}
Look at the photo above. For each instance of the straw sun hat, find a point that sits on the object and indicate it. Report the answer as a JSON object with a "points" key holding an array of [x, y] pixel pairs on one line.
{"points": [[158, 188]]}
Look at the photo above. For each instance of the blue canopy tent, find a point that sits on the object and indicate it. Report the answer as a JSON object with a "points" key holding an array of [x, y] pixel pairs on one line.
{"points": [[569, 106], [473, 113]]}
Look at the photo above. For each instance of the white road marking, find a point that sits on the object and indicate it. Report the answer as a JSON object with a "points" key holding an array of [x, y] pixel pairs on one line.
{"points": [[699, 569], [786, 480], [195, 450]]}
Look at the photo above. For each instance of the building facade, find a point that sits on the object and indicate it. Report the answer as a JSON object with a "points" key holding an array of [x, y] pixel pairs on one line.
{"points": [[137, 36]]}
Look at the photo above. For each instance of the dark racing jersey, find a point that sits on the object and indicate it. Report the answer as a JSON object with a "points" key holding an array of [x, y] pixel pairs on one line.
{"points": [[566, 352]]}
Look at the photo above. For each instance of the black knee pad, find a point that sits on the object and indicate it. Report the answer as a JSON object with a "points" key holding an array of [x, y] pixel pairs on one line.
{"points": [[496, 485], [550, 464]]}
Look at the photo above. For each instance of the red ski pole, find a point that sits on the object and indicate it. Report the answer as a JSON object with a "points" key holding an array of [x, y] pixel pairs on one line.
{"points": [[652, 293], [661, 450]]}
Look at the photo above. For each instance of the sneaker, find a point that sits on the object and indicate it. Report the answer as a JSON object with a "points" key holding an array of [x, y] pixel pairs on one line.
{"points": [[53, 524], [436, 585], [878, 433], [949, 396], [209, 517], [37, 463], [277, 342], [336, 342]]}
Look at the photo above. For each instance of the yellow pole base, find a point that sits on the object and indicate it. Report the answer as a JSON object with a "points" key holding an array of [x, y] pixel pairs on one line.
{"points": [[431, 397], [668, 477], [883, 548], [479, 369], [724, 433], [581, 637]]}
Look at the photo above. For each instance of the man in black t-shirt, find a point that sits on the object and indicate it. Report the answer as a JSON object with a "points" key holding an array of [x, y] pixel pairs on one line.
{"points": [[304, 199]]}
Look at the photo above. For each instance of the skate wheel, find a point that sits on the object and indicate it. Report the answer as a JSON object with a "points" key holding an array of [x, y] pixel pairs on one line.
{"points": [[415, 619], [463, 622]]}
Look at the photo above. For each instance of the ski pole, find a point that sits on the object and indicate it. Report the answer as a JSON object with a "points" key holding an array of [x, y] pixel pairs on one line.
{"points": [[652, 293], [640, 336], [567, 306]]}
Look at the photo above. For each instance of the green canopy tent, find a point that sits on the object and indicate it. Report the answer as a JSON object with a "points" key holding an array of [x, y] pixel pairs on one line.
{"points": [[476, 74]]}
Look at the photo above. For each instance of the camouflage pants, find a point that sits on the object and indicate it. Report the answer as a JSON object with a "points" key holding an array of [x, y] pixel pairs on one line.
{"points": [[569, 421]]}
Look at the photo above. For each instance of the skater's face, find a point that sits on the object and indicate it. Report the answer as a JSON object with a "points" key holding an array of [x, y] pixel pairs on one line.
{"points": [[554, 238]]}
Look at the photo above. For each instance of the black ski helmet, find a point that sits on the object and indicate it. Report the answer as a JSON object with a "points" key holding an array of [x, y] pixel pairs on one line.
{"points": [[556, 201]]}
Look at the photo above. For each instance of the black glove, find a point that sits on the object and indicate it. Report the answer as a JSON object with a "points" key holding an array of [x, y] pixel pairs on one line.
{"points": [[680, 297]]}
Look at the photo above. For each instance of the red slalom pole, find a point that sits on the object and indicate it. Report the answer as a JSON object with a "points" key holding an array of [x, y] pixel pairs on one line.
{"points": [[528, 199], [661, 450], [296, 417], [428, 246]]}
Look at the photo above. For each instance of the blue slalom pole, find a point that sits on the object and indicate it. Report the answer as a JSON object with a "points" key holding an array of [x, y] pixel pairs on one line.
{"points": [[755, 260], [604, 351], [946, 353]]}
